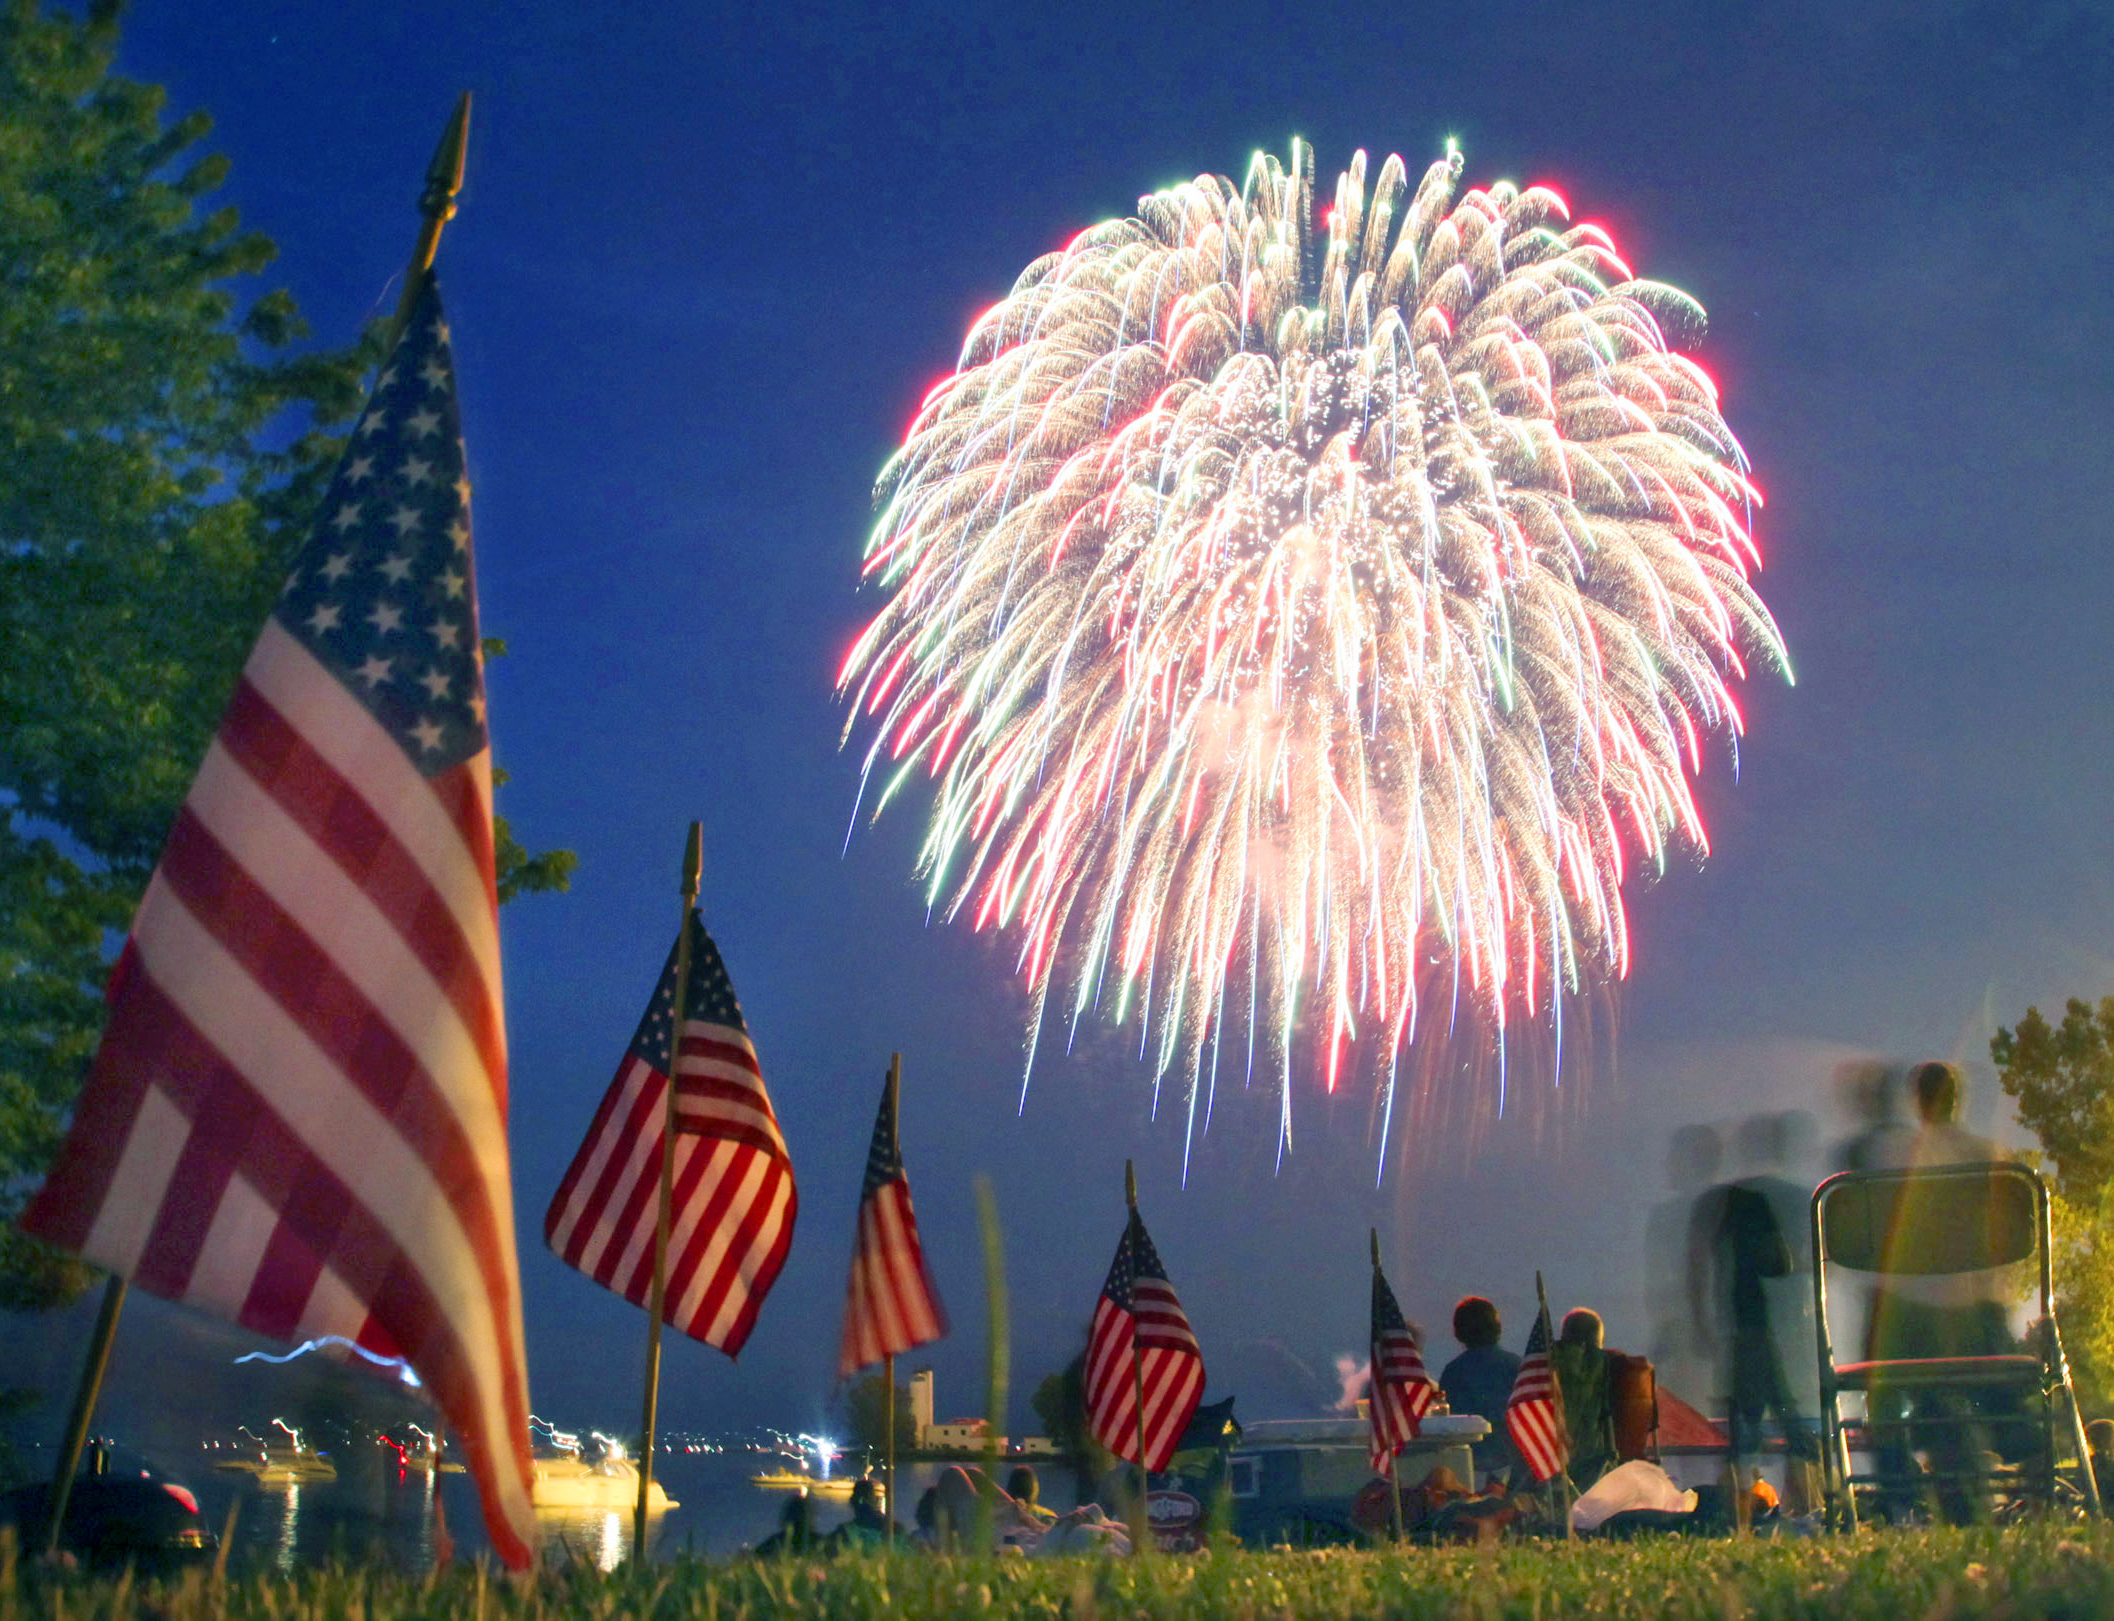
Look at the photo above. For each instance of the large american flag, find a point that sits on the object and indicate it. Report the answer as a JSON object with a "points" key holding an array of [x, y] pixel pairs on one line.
{"points": [[1534, 1411], [1138, 1304], [893, 1306], [1402, 1392], [297, 1118], [731, 1217]]}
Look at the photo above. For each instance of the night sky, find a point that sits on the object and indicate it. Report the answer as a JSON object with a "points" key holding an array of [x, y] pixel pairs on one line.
{"points": [[705, 268]]}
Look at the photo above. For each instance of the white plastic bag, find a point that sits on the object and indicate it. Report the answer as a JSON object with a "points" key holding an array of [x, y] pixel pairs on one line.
{"points": [[1637, 1484]]}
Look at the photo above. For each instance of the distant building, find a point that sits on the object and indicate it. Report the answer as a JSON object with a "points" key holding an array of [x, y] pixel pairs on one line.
{"points": [[920, 1405], [963, 1434], [960, 1435]]}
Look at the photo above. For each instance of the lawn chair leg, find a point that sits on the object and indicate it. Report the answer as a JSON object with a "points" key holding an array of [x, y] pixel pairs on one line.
{"points": [[1842, 1515], [2088, 1480]]}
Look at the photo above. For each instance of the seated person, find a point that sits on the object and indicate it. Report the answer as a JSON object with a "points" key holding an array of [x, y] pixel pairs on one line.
{"points": [[868, 1527], [796, 1530], [1580, 1359], [962, 1500], [1026, 1492], [1479, 1380]]}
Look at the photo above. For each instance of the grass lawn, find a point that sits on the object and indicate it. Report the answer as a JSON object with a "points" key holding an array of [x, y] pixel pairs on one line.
{"points": [[2028, 1571]]}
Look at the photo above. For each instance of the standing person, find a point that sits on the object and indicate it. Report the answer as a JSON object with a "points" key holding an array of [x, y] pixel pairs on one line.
{"points": [[1695, 1156], [1780, 1147], [1479, 1381], [1737, 1249], [1580, 1358], [1943, 1314]]}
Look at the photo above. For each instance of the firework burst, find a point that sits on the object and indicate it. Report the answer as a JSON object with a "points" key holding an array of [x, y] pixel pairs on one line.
{"points": [[1305, 621]]}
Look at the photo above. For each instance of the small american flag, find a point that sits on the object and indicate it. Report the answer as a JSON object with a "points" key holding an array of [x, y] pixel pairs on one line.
{"points": [[733, 1205], [1534, 1411], [1402, 1392], [893, 1306], [1138, 1303], [297, 1118]]}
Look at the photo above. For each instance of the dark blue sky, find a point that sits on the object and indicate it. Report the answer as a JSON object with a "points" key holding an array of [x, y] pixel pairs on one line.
{"points": [[706, 266]]}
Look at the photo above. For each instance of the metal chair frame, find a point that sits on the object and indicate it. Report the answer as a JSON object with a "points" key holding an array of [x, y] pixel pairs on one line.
{"points": [[2042, 1373]]}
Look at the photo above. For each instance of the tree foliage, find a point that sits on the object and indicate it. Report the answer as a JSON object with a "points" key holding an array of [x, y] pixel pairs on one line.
{"points": [[1060, 1405], [865, 1416], [2061, 1079], [163, 445]]}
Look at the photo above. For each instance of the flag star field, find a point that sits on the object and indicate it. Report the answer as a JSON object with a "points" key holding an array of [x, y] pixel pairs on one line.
{"points": [[387, 599]]}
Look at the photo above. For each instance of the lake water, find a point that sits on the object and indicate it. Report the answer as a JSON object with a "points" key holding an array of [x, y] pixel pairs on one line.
{"points": [[380, 1513]]}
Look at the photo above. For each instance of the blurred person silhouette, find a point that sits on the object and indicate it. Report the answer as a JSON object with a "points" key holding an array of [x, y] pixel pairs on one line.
{"points": [[1937, 1315], [1870, 1093], [1738, 1252], [796, 1529], [1582, 1367], [1479, 1381], [1694, 1155]]}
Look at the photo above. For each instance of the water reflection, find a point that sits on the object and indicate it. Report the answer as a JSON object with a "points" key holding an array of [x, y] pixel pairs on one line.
{"points": [[387, 1514], [291, 1510]]}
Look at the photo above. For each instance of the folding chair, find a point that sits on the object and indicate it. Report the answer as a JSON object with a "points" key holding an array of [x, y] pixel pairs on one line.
{"points": [[1932, 1222]]}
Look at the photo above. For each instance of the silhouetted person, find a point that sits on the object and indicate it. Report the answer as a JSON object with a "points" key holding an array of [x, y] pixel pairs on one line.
{"points": [[1871, 1095], [1776, 1149], [1479, 1380], [1694, 1156], [1581, 1362], [1737, 1249], [1026, 1490], [1940, 1314], [868, 1526], [796, 1529]]}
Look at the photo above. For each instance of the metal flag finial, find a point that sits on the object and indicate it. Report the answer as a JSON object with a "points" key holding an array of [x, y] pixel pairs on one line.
{"points": [[694, 862], [436, 206]]}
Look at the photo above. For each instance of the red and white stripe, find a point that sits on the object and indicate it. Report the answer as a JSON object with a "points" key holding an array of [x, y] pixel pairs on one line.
{"points": [[1534, 1411], [734, 1202], [297, 1118], [892, 1307], [1170, 1366], [1401, 1393]]}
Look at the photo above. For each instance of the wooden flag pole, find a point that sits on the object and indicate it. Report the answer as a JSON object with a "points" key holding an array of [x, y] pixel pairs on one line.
{"points": [[693, 874], [999, 1366], [84, 1399], [888, 1451], [888, 1362], [1141, 1521], [436, 206], [1562, 1483], [1394, 1477]]}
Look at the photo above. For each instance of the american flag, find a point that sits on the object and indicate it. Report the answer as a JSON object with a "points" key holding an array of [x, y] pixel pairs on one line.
{"points": [[1402, 1392], [297, 1118], [893, 1306], [731, 1216], [1138, 1302], [1534, 1411]]}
